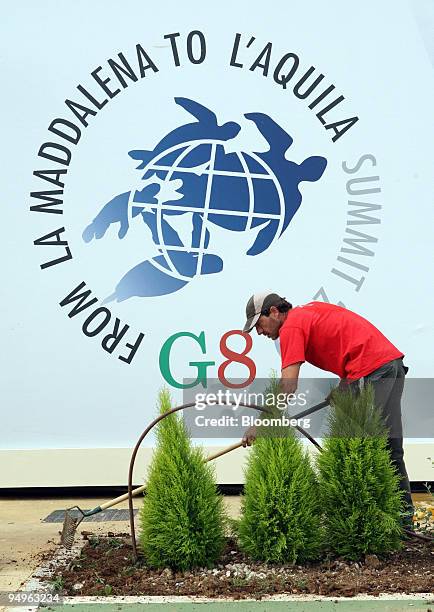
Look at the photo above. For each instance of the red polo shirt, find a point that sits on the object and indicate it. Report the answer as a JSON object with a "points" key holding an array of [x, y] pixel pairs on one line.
{"points": [[334, 339]]}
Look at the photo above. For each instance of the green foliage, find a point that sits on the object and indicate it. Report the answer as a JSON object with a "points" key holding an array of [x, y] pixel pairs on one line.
{"points": [[359, 492], [58, 584], [182, 519], [280, 519], [355, 416], [271, 394]]}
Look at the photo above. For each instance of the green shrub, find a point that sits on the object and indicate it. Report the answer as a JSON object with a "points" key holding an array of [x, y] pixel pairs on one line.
{"points": [[182, 519], [280, 517], [359, 491]]}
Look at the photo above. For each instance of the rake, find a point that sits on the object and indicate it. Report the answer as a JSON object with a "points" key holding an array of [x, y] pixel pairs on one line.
{"points": [[75, 515]]}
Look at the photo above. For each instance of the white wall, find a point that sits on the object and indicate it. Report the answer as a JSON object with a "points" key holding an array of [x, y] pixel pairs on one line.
{"points": [[60, 389]]}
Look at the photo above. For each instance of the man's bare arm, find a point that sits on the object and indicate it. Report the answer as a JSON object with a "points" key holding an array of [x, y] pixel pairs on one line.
{"points": [[289, 379]]}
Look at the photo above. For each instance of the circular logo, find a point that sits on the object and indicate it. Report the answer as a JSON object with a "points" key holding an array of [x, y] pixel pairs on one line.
{"points": [[190, 173]]}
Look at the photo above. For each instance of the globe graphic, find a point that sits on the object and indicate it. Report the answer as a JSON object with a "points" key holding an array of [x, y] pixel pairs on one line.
{"points": [[236, 191]]}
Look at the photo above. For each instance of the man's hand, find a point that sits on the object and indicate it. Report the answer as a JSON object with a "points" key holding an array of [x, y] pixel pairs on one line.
{"points": [[249, 436]]}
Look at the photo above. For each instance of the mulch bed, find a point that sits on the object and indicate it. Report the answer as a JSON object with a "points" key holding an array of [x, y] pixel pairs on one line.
{"points": [[105, 567]]}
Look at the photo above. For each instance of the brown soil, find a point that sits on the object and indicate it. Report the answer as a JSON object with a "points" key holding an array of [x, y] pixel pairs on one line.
{"points": [[105, 567]]}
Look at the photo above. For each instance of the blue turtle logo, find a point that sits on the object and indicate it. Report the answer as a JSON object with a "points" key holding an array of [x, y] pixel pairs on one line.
{"points": [[189, 172]]}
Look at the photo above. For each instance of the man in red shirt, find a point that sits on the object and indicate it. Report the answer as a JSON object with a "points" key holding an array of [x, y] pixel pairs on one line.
{"points": [[340, 341]]}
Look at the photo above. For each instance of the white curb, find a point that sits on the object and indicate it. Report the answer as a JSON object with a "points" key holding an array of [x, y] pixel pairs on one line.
{"points": [[164, 599]]}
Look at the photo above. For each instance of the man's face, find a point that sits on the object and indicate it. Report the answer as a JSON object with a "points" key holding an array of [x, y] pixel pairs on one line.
{"points": [[269, 326]]}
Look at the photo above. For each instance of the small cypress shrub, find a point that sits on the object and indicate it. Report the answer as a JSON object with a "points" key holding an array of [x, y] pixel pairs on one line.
{"points": [[181, 519], [280, 516], [359, 490]]}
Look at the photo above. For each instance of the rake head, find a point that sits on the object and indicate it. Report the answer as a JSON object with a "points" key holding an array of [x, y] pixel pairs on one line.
{"points": [[73, 518]]}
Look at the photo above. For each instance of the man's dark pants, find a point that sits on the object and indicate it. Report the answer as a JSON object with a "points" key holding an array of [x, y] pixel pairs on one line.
{"points": [[388, 383]]}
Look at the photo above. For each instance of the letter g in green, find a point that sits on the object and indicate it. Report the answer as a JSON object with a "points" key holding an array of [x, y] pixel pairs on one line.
{"points": [[200, 365]]}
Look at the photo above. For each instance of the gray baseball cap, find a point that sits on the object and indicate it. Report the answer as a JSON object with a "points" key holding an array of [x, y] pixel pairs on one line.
{"points": [[257, 304]]}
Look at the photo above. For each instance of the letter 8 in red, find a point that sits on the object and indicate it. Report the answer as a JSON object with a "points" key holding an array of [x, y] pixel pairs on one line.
{"points": [[232, 356]]}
